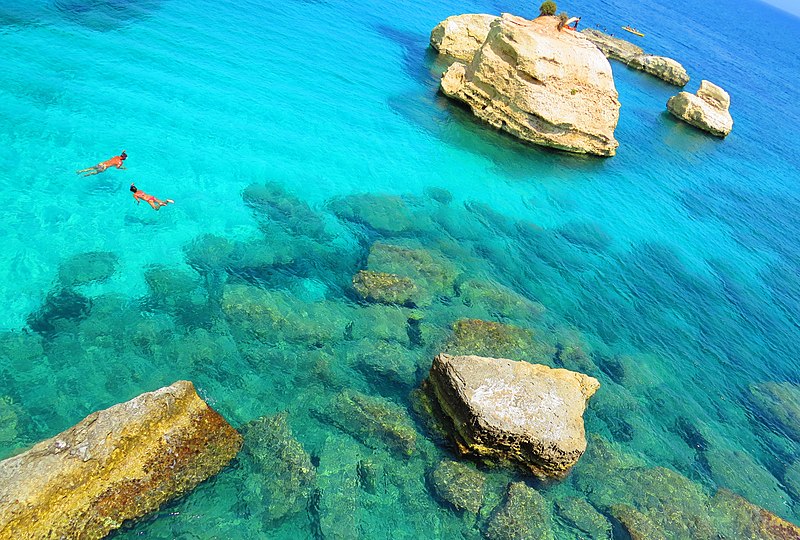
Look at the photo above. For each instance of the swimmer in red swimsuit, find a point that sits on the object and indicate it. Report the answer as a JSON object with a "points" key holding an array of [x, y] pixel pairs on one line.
{"points": [[140, 196], [115, 161]]}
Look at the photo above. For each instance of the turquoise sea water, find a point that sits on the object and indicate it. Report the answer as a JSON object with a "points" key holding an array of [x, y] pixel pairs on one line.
{"points": [[669, 272]]}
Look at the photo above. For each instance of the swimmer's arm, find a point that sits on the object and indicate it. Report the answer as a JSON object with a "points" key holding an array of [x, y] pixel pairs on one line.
{"points": [[135, 198]]}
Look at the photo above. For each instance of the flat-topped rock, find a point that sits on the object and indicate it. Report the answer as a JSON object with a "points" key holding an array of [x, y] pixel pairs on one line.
{"points": [[542, 85], [707, 110], [526, 413], [460, 36], [116, 464], [664, 68]]}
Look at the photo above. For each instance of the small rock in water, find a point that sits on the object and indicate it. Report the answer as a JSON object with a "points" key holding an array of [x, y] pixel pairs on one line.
{"points": [[524, 413], [459, 484], [83, 268], [707, 110], [524, 515]]}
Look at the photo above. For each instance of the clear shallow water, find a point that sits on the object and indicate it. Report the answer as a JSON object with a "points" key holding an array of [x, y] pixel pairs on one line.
{"points": [[672, 265]]}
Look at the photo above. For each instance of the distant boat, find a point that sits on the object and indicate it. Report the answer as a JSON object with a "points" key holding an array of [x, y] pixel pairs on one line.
{"points": [[632, 31]]}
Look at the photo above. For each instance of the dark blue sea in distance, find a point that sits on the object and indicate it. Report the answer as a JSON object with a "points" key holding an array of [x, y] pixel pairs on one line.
{"points": [[301, 138]]}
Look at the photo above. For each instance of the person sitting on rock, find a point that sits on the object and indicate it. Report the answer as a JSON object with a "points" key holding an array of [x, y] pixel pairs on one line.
{"points": [[574, 22], [140, 196], [115, 161]]}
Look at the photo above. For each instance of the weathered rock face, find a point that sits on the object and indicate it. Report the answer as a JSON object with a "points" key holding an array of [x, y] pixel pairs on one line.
{"points": [[707, 110], [460, 36], [662, 67], [543, 86], [527, 413], [116, 464]]}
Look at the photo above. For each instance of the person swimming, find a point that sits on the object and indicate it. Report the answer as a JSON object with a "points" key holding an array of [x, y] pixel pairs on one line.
{"points": [[116, 161], [140, 196]]}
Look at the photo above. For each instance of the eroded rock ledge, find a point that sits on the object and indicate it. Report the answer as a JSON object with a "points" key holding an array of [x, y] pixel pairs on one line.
{"points": [[116, 464], [526, 413], [664, 68], [542, 85]]}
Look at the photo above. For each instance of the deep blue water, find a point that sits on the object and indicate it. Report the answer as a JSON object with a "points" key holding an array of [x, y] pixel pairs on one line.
{"points": [[673, 266]]}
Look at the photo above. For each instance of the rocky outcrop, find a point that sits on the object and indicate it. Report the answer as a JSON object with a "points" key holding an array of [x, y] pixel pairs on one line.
{"points": [[116, 464], [526, 413], [662, 67], [707, 110], [612, 47], [543, 86], [460, 36]]}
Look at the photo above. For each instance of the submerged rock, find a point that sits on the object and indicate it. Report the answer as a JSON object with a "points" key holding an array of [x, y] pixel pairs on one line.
{"points": [[581, 515], [498, 300], [429, 269], [460, 36], [707, 110], [375, 422], [779, 402], [384, 214], [459, 484], [387, 288], [273, 203], [526, 413], [116, 464], [740, 518], [523, 515], [487, 338], [543, 86], [83, 268], [284, 472]]}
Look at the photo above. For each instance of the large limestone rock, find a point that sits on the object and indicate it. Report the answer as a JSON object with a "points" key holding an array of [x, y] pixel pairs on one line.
{"points": [[707, 110], [543, 86], [116, 464], [527, 413], [460, 36], [626, 52]]}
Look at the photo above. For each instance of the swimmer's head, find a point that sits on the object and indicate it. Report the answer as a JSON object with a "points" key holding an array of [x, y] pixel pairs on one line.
{"points": [[123, 155], [133, 188]]}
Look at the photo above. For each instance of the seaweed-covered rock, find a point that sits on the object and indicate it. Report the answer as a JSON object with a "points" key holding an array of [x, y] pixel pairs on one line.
{"points": [[9, 421], [492, 339], [337, 501], [387, 288], [127, 460], [523, 515], [581, 515], [209, 253], [636, 524], [284, 470], [272, 316], [83, 268], [780, 403], [429, 269], [526, 413], [373, 421], [739, 471], [459, 484], [385, 364], [62, 309], [384, 214], [498, 300], [272, 202], [739, 518]]}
